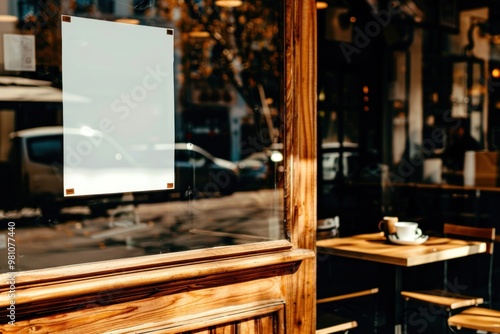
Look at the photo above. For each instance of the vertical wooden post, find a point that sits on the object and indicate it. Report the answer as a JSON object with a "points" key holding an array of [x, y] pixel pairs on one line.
{"points": [[300, 151]]}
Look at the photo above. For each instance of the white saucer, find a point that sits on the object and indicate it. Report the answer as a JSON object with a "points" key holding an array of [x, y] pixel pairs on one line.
{"points": [[328, 223], [418, 241]]}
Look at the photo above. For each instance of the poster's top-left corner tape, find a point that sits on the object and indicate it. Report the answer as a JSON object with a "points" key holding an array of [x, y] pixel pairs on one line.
{"points": [[66, 18]]}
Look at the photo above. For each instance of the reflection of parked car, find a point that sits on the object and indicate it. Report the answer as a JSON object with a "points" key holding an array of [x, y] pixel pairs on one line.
{"points": [[254, 171], [331, 158], [33, 175], [198, 170], [259, 169]]}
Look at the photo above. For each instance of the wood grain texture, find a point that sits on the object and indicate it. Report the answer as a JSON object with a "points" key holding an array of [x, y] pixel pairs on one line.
{"points": [[374, 247], [139, 264], [335, 326], [477, 318], [174, 313], [449, 301], [355, 294], [486, 234], [65, 295], [300, 163]]}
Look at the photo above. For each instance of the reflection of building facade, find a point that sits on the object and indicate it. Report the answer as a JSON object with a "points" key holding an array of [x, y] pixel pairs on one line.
{"points": [[221, 54]]}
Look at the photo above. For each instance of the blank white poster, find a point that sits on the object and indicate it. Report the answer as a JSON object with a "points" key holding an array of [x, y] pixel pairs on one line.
{"points": [[120, 136]]}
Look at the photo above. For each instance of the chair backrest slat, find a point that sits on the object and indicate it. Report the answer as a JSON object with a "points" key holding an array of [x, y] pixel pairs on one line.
{"points": [[486, 234]]}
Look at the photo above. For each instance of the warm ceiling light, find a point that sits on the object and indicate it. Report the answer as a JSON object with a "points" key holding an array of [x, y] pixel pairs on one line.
{"points": [[321, 95], [228, 3], [129, 21], [321, 5], [495, 73], [199, 34]]}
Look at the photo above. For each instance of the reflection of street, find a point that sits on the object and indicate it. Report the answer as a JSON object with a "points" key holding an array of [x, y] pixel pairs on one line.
{"points": [[148, 229]]}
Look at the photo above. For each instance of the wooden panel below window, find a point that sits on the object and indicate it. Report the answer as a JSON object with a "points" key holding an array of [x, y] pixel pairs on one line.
{"points": [[236, 291], [250, 307]]}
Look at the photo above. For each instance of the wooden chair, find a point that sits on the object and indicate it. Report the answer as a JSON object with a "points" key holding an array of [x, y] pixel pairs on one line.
{"points": [[477, 318], [452, 300], [328, 322]]}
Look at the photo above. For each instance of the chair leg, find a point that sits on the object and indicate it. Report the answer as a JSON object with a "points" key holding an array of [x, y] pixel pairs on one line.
{"points": [[405, 308], [446, 328]]}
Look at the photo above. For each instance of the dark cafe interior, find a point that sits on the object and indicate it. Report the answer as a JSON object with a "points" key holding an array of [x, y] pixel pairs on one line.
{"points": [[407, 153], [250, 166]]}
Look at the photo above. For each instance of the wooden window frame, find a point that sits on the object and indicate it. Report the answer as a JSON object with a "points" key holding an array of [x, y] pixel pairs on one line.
{"points": [[136, 290]]}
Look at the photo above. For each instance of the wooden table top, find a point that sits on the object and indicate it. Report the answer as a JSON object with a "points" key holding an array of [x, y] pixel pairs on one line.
{"points": [[374, 247]]}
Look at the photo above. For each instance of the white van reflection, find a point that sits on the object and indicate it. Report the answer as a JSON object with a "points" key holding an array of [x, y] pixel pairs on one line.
{"points": [[331, 159], [33, 174]]}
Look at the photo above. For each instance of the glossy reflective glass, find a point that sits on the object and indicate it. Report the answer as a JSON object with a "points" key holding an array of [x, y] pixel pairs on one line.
{"points": [[227, 152]]}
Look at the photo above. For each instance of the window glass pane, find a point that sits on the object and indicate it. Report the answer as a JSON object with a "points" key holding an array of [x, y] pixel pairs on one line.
{"points": [[228, 138], [45, 150]]}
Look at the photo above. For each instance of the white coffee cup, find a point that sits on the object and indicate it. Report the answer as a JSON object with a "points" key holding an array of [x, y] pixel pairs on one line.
{"points": [[407, 231]]}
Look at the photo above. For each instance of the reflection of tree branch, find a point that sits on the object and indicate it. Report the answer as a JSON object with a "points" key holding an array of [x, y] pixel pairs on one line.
{"points": [[247, 33]]}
